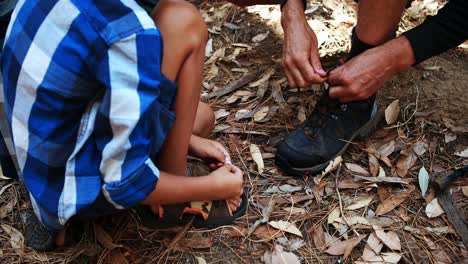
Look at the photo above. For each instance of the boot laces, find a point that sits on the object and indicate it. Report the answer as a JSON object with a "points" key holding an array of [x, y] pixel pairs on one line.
{"points": [[326, 110]]}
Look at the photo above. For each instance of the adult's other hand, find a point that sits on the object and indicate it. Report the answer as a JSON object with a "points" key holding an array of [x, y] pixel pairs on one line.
{"points": [[361, 77], [301, 60]]}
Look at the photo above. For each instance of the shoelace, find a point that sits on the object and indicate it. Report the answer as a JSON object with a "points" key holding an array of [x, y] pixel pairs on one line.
{"points": [[325, 110]]}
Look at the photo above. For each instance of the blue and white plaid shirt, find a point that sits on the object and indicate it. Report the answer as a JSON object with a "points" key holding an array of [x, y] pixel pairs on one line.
{"points": [[86, 102]]}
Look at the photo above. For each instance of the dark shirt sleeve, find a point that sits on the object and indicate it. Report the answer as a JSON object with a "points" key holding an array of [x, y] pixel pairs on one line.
{"points": [[439, 33]]}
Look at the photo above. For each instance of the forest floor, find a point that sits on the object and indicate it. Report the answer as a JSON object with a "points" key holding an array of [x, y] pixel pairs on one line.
{"points": [[369, 207]]}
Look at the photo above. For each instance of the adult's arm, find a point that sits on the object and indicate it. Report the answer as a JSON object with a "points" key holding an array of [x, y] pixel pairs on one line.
{"points": [[439, 33]]}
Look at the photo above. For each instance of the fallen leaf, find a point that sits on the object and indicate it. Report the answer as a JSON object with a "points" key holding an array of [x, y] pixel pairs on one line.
{"points": [[212, 72], [390, 238], [319, 237], [266, 233], [465, 190], [257, 157], [334, 214], [286, 227], [420, 148], [433, 209], [387, 149], [301, 114], [286, 188], [4, 188], [196, 242], [279, 256], [393, 201], [104, 238], [383, 179], [209, 48], [200, 260], [463, 154], [381, 173], [344, 247], [219, 53], [392, 111], [294, 210], [16, 238], [261, 114], [406, 160], [449, 137], [332, 165], [353, 220], [423, 178], [360, 203], [356, 168], [265, 77], [260, 37], [221, 113], [116, 257], [373, 165], [384, 258], [372, 248], [234, 231], [291, 244], [231, 26]]}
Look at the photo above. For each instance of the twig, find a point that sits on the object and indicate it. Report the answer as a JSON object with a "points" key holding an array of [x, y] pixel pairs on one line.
{"points": [[341, 204]]}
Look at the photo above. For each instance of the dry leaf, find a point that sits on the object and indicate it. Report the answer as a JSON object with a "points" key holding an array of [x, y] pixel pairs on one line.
{"points": [[393, 201], [16, 238], [286, 227], [278, 256], [4, 188], [319, 237], [196, 242], [372, 248], [406, 160], [383, 179], [423, 178], [339, 247], [265, 232], [200, 260], [104, 238], [301, 114], [463, 154], [465, 190], [294, 210], [257, 157], [334, 214], [390, 238], [265, 77], [392, 111], [387, 149], [449, 137], [260, 37], [212, 72], [221, 113], [433, 209], [353, 220], [384, 258], [116, 257], [209, 48], [356, 168], [373, 165], [360, 203], [332, 165], [261, 114], [235, 231]]}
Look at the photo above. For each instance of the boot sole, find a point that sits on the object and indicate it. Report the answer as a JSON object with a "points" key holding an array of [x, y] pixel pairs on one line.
{"points": [[361, 133]]}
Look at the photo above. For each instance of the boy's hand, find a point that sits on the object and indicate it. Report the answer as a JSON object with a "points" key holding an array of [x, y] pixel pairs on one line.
{"points": [[228, 181], [214, 154]]}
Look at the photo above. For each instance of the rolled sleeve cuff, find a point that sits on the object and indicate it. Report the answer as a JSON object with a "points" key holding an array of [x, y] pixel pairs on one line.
{"points": [[128, 193]]}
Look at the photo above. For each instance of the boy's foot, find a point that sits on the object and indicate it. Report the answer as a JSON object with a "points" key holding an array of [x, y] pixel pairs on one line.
{"points": [[326, 134], [37, 236], [208, 214]]}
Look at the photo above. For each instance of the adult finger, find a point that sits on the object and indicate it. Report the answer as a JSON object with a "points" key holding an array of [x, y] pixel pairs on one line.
{"points": [[236, 170], [289, 76], [309, 74], [297, 75], [335, 76], [316, 64], [338, 92]]}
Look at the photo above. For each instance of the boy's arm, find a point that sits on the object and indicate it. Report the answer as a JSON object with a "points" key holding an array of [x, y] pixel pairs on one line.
{"points": [[134, 117]]}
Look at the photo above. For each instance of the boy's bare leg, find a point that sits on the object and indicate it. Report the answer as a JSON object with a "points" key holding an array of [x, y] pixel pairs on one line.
{"points": [[184, 44], [204, 121], [378, 20]]}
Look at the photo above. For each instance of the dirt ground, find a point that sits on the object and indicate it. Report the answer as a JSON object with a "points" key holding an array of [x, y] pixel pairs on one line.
{"points": [[348, 209]]}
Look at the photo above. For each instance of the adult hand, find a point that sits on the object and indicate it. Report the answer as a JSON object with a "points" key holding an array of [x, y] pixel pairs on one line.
{"points": [[301, 60], [361, 77]]}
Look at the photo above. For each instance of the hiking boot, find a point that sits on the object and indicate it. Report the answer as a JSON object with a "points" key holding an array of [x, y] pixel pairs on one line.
{"points": [[326, 134]]}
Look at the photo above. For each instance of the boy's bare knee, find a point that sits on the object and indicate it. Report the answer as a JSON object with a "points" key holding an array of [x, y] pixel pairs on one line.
{"points": [[183, 18], [205, 120]]}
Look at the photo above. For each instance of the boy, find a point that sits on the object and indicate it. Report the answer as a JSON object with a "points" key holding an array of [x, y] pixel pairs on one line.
{"points": [[88, 94]]}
